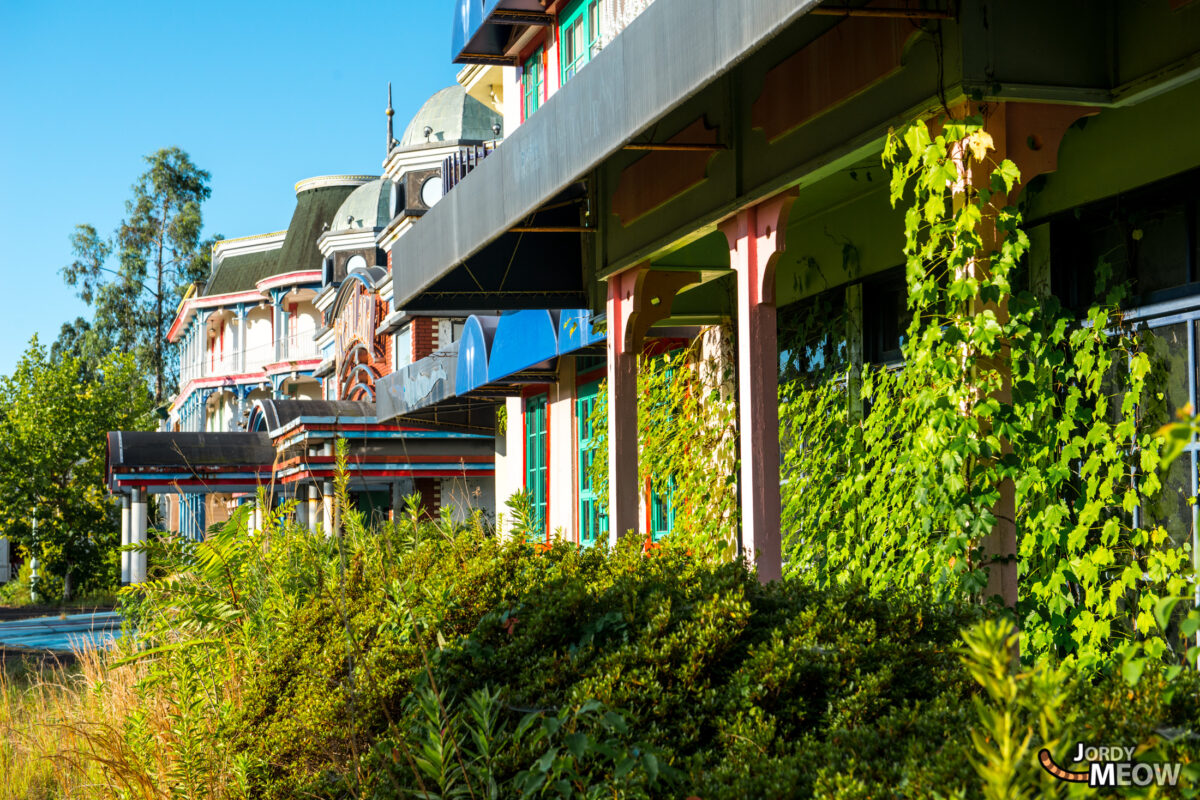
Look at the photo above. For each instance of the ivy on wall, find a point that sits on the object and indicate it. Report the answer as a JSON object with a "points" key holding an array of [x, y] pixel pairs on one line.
{"points": [[997, 385], [687, 440]]}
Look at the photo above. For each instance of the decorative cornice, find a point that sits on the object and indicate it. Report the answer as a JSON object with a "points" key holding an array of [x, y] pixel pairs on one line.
{"points": [[289, 279], [257, 243], [321, 181], [337, 241]]}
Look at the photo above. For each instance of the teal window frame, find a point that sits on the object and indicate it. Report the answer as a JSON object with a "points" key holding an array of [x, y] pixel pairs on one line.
{"points": [[532, 80], [593, 521], [578, 36], [662, 510], [662, 498], [536, 467]]}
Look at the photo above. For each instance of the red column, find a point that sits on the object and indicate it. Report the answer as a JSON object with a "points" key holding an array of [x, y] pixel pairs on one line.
{"points": [[756, 238], [637, 298], [622, 408]]}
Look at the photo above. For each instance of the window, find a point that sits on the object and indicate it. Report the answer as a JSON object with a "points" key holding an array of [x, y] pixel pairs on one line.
{"points": [[579, 36], [531, 83], [593, 522], [535, 462], [403, 347], [662, 510], [662, 498], [1148, 239]]}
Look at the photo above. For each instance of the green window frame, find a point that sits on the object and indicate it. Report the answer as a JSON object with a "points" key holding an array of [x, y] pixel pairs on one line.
{"points": [[593, 522], [531, 83], [662, 510], [662, 497], [535, 463], [579, 36]]}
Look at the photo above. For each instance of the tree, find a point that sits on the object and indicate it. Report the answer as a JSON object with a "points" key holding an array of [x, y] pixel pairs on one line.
{"points": [[53, 419], [158, 253]]}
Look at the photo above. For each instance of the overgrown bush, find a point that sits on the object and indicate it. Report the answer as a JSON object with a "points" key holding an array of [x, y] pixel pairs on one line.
{"points": [[424, 659]]}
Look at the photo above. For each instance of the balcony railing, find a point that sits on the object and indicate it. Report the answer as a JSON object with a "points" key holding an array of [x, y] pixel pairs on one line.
{"points": [[301, 348], [456, 166]]}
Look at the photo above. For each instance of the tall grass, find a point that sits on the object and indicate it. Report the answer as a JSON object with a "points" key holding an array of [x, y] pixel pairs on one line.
{"points": [[148, 716]]}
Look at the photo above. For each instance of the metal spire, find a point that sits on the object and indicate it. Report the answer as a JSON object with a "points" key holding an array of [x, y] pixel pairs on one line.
{"points": [[390, 112]]}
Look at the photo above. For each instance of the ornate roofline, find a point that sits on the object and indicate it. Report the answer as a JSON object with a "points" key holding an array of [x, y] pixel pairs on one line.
{"points": [[333, 180]]}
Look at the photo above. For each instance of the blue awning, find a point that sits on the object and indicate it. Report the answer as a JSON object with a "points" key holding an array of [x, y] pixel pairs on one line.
{"points": [[490, 360], [484, 29], [524, 339], [576, 329], [474, 349]]}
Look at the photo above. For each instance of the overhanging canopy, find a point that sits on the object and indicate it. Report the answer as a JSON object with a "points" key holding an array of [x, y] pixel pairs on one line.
{"points": [[602, 108], [459, 387], [162, 461]]}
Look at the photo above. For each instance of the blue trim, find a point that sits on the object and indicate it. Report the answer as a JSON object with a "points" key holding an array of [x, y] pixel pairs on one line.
{"points": [[474, 350], [575, 330], [523, 339]]}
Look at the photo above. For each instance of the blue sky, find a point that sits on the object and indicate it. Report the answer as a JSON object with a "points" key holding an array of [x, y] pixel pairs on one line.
{"points": [[260, 94]]}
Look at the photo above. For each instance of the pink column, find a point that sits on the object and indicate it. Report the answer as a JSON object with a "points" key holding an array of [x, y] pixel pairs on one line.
{"points": [[756, 238], [637, 298], [622, 409]]}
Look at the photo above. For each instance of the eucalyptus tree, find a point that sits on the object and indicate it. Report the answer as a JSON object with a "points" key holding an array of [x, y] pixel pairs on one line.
{"points": [[133, 280]]}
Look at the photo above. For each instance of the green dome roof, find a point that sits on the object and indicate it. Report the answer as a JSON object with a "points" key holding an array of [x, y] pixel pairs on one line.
{"points": [[453, 115], [367, 207]]}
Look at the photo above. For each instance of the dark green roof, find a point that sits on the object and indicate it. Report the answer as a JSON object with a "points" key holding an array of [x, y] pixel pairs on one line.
{"points": [[239, 273], [314, 213]]}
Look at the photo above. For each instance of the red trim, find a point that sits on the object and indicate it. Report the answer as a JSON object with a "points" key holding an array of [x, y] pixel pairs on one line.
{"points": [[208, 302], [298, 460], [305, 475], [288, 366], [534, 389], [597, 374], [288, 278]]}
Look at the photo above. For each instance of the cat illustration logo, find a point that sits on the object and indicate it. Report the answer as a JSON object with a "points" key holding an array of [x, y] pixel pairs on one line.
{"points": [[1111, 766]]}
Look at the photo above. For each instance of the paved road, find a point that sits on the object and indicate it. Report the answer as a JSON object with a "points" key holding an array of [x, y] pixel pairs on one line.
{"points": [[61, 633]]}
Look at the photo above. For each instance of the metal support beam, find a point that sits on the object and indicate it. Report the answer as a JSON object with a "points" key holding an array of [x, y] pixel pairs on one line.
{"points": [[552, 229], [879, 13], [684, 147]]}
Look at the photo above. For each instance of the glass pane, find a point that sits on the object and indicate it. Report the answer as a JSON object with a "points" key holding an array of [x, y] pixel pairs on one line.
{"points": [[1168, 390], [1159, 245]]}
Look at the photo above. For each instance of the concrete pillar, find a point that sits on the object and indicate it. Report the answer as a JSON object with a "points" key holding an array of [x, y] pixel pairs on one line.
{"points": [[756, 238], [126, 538], [854, 348], [138, 535], [397, 500], [302, 506], [242, 338], [4, 561], [327, 516], [313, 513], [637, 298], [622, 437]]}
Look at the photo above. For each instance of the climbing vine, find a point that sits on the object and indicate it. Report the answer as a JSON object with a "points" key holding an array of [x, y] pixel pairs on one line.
{"points": [[997, 385], [687, 441]]}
